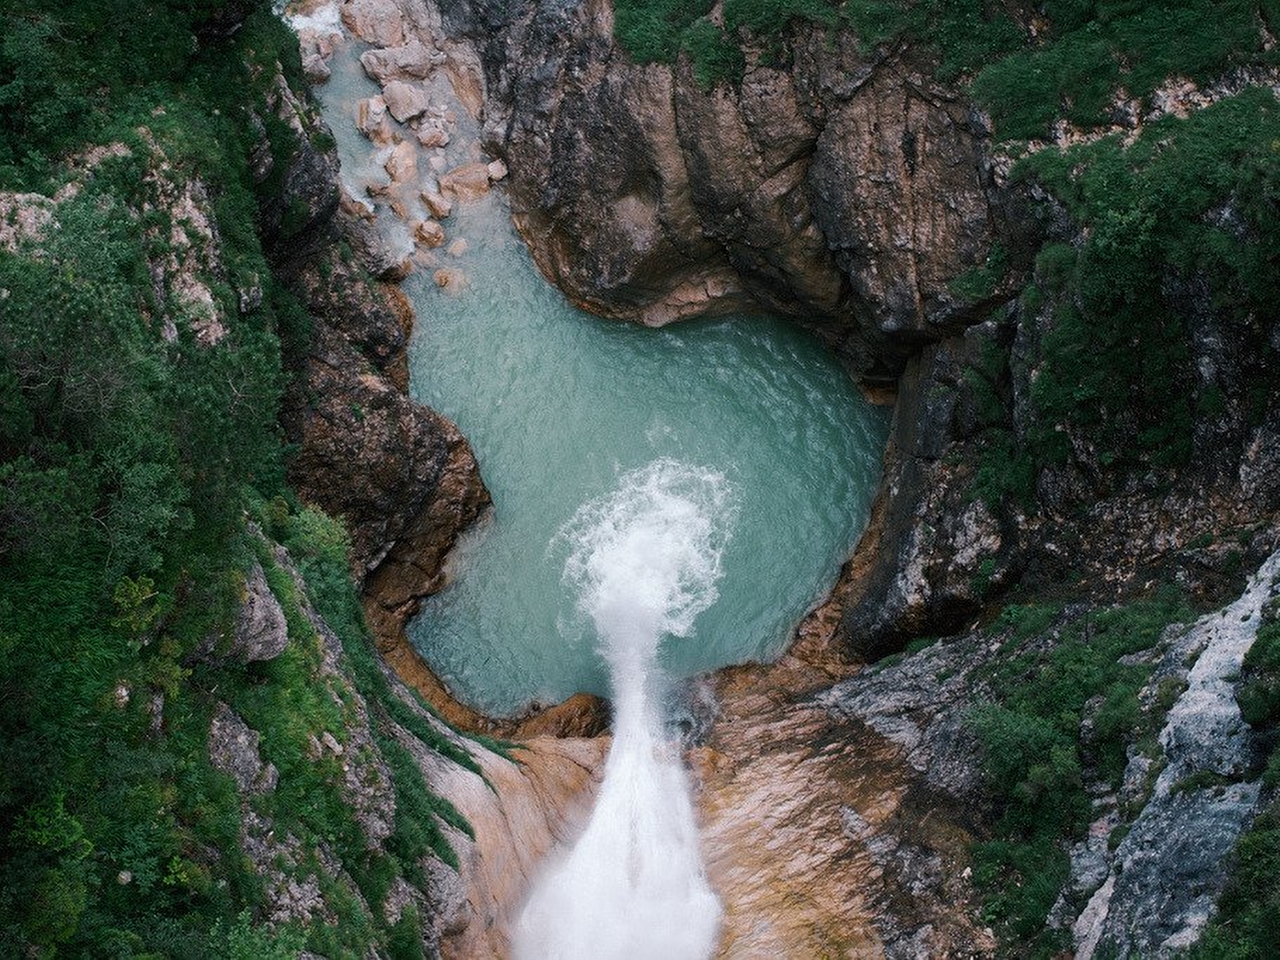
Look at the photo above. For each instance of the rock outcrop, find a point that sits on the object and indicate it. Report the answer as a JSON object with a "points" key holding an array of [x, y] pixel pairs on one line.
{"points": [[957, 518], [847, 190], [402, 476], [1160, 886], [822, 831], [521, 808], [261, 631], [874, 789]]}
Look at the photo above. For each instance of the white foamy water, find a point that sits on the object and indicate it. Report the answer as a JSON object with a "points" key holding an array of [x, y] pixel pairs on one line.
{"points": [[322, 18], [644, 562]]}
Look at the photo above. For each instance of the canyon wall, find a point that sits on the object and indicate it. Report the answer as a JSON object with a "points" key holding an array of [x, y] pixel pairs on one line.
{"points": [[846, 187]]}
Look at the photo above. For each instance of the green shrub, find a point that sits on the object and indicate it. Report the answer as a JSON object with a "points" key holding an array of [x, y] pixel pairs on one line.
{"points": [[1259, 691], [405, 942], [713, 55], [1005, 472], [768, 17], [979, 283], [652, 30], [241, 940]]}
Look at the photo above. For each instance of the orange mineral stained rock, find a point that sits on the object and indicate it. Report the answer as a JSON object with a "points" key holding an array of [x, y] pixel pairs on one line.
{"points": [[467, 182]]}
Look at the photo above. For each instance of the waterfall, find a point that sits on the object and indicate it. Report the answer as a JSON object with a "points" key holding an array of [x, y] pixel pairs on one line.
{"points": [[643, 563]]}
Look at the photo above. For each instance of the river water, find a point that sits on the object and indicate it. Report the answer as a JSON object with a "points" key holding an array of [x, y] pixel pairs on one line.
{"points": [[559, 406]]}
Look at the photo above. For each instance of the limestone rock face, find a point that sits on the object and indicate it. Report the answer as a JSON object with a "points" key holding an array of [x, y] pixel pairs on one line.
{"points": [[402, 476], [896, 181], [879, 776], [598, 181], [1166, 874], [932, 550], [581, 715], [521, 812], [309, 182], [261, 631], [847, 190], [819, 829]]}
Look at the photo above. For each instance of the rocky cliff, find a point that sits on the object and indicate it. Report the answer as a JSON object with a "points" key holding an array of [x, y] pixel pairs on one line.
{"points": [[401, 476], [846, 189]]}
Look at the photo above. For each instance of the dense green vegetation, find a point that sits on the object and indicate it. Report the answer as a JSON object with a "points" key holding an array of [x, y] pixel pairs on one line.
{"points": [[1080, 54], [1057, 669], [130, 461], [1179, 221], [1116, 357]]}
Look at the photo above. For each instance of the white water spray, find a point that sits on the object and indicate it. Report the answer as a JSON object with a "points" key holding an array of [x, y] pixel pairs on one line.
{"points": [[645, 561]]}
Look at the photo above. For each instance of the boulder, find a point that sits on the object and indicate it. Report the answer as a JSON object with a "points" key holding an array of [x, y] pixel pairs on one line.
{"points": [[467, 182], [432, 132], [320, 41], [379, 22], [372, 120], [405, 100], [497, 170], [413, 61], [315, 68], [439, 205], [402, 165], [429, 233], [450, 279]]}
